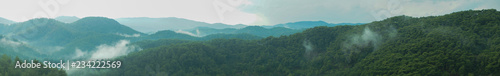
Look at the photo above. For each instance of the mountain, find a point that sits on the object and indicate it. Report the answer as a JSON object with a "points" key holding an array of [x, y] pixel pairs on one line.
{"points": [[102, 25], [3, 27], [52, 38], [17, 48], [460, 43], [243, 36], [45, 31], [311, 24], [167, 34], [6, 21], [147, 25], [263, 32], [67, 19], [170, 35], [41, 30], [254, 30]]}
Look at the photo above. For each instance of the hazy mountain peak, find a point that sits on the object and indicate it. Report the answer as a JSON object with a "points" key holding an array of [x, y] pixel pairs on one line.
{"points": [[41, 21], [254, 27], [102, 25], [146, 24], [300, 22], [97, 20], [67, 19], [5, 21]]}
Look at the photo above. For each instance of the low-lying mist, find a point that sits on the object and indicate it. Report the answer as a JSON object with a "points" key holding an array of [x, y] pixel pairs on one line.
{"points": [[357, 43], [309, 49], [105, 51]]}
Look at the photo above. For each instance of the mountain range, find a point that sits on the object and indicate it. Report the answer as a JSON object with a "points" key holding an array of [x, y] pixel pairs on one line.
{"points": [[6, 21], [149, 25], [67, 19], [54, 38], [457, 44]]}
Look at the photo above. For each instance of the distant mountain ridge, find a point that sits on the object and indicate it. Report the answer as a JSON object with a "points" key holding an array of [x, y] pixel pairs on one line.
{"points": [[102, 25], [62, 35], [54, 38], [465, 43], [151, 25], [254, 30], [147, 25], [311, 24], [67, 19], [6, 21]]}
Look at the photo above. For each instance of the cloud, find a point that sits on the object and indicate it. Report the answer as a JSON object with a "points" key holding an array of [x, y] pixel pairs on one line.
{"points": [[79, 53], [230, 12], [309, 49], [9, 42], [110, 51], [189, 33], [359, 41], [260, 12], [337, 11], [18, 45], [126, 35]]}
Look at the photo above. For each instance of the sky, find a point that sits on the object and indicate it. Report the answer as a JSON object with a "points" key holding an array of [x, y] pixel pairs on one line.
{"points": [[250, 12]]}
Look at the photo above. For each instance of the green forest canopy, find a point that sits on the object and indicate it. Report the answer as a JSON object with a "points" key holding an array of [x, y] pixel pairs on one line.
{"points": [[460, 43]]}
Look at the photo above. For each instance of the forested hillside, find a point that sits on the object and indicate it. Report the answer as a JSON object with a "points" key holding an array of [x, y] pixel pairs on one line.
{"points": [[147, 25], [43, 37], [253, 30], [460, 43]]}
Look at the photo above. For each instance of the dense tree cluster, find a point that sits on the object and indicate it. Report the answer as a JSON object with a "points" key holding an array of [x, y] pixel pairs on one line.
{"points": [[53, 39], [460, 43]]}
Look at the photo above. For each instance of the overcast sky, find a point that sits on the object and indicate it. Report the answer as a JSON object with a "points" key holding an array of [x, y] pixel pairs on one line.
{"points": [[254, 12]]}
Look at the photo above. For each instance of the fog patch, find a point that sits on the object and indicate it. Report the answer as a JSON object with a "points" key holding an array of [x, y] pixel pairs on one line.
{"points": [[126, 35], [9, 42], [79, 53], [15, 45], [368, 37], [309, 49], [357, 42], [393, 32], [48, 49], [105, 51], [189, 33]]}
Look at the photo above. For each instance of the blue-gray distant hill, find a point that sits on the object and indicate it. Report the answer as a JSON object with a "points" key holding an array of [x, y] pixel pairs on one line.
{"points": [[6, 21], [53, 38], [149, 25], [67, 19], [196, 28], [311, 24], [465, 43], [254, 30]]}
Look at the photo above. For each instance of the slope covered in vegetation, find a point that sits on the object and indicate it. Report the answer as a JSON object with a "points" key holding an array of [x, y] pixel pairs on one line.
{"points": [[460, 43]]}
